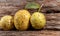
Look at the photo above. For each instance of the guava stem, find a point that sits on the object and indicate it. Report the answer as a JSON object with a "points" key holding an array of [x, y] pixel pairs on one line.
{"points": [[40, 8]]}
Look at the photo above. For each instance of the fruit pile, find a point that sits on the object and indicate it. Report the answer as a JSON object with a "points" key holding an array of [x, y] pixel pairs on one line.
{"points": [[22, 18]]}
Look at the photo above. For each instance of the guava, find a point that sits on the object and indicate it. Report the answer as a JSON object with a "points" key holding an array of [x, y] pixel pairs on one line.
{"points": [[38, 20], [7, 22], [21, 19]]}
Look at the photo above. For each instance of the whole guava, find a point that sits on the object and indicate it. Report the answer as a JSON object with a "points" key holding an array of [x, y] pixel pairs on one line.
{"points": [[7, 22], [21, 19], [38, 20]]}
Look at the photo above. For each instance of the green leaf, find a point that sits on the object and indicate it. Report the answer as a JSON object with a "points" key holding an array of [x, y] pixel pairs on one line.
{"points": [[32, 5]]}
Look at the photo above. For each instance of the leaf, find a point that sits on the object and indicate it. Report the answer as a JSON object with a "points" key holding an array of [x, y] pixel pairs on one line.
{"points": [[32, 5]]}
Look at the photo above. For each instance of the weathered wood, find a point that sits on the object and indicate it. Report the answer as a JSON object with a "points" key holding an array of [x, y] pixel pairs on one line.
{"points": [[13, 5], [51, 5], [53, 21], [30, 33]]}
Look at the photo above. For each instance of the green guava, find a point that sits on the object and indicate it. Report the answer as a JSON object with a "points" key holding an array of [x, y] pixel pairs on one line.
{"points": [[38, 20]]}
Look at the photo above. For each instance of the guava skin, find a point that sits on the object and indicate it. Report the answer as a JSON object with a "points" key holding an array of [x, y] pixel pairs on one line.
{"points": [[21, 19], [7, 22], [38, 20]]}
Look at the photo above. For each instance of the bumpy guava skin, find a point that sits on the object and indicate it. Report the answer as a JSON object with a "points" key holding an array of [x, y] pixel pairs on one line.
{"points": [[21, 19], [7, 22], [38, 20]]}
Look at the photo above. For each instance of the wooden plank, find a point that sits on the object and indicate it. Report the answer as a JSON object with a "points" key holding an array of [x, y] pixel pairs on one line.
{"points": [[30, 33], [53, 21], [49, 5]]}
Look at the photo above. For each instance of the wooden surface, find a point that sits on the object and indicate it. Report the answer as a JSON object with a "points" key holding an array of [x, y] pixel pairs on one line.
{"points": [[53, 21], [30, 33], [51, 9]]}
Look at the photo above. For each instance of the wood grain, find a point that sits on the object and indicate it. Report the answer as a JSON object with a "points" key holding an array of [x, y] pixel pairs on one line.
{"points": [[30, 33], [53, 20], [13, 5]]}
